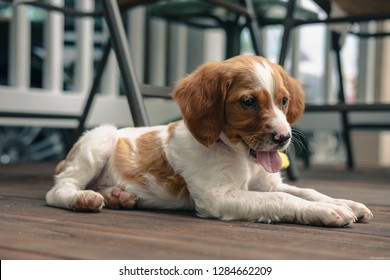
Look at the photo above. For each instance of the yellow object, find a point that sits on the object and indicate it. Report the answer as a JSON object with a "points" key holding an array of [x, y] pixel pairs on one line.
{"points": [[285, 160]]}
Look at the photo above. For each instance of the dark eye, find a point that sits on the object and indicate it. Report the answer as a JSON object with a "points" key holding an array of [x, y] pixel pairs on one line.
{"points": [[284, 101], [248, 103]]}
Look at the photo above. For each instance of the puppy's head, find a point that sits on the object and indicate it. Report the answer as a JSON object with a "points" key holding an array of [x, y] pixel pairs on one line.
{"points": [[247, 101]]}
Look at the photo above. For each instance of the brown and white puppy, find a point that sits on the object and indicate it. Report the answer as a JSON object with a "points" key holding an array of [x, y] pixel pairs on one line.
{"points": [[220, 161]]}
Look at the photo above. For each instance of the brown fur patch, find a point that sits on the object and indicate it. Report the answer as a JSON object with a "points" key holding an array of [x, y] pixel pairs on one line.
{"points": [[171, 130], [200, 97], [124, 160], [148, 157], [60, 167]]}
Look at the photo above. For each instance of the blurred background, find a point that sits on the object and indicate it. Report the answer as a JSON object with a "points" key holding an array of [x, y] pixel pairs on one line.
{"points": [[47, 63]]}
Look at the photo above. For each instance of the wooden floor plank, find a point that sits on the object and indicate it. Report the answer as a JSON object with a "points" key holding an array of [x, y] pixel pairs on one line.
{"points": [[31, 230]]}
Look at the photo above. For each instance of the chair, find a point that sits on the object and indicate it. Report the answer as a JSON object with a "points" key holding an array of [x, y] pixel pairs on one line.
{"points": [[205, 15], [354, 11], [112, 14], [213, 14], [118, 42]]}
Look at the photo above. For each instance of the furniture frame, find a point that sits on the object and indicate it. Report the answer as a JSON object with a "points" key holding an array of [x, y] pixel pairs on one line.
{"points": [[135, 92], [289, 23]]}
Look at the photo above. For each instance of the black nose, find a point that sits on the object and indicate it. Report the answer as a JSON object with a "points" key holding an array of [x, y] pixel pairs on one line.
{"points": [[279, 138]]}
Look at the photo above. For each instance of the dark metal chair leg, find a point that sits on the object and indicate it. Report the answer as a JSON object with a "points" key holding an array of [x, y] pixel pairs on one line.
{"points": [[292, 170], [347, 139], [114, 22], [254, 29], [288, 25], [346, 131], [233, 32]]}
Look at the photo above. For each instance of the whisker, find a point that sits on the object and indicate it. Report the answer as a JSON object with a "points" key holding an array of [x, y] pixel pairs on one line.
{"points": [[298, 138], [255, 143], [297, 143], [297, 132]]}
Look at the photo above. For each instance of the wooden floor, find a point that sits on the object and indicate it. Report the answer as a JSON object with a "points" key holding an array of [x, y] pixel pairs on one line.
{"points": [[31, 230]]}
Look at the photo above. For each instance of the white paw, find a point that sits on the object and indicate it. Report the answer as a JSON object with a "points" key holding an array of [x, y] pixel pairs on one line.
{"points": [[329, 214], [87, 200], [362, 213]]}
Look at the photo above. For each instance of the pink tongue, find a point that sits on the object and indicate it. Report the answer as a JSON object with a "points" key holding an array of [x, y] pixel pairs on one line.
{"points": [[271, 161]]}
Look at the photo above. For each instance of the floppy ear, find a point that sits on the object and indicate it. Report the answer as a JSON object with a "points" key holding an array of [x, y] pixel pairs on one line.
{"points": [[296, 105], [201, 98]]}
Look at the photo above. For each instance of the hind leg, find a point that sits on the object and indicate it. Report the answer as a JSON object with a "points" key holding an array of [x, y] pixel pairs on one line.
{"points": [[69, 194], [84, 162], [117, 198]]}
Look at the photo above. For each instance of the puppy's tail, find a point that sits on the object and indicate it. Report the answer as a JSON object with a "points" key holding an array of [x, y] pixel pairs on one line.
{"points": [[60, 167]]}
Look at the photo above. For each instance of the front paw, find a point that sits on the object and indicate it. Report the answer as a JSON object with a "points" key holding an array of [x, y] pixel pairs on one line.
{"points": [[328, 214], [362, 213]]}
